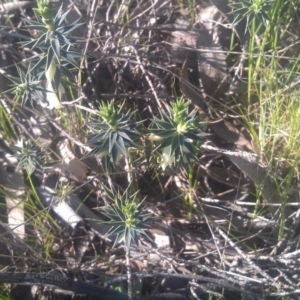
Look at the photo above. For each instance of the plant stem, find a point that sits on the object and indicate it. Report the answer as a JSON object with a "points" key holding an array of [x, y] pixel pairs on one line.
{"points": [[129, 277]]}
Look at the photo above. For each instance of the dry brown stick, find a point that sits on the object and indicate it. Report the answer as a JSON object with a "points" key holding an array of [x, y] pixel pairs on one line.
{"points": [[147, 77], [244, 256], [65, 283], [249, 164], [221, 127], [12, 6]]}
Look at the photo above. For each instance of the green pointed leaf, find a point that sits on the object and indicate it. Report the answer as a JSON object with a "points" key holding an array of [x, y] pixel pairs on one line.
{"points": [[33, 22], [50, 57], [62, 17], [163, 133], [47, 37], [91, 153], [15, 80], [69, 58], [166, 143], [39, 42], [121, 146], [58, 16], [114, 154], [163, 124], [112, 140], [192, 136], [38, 18], [73, 54], [133, 135], [190, 148], [62, 38], [100, 126], [38, 27], [125, 118], [65, 72], [57, 80], [64, 30], [124, 135], [55, 47]]}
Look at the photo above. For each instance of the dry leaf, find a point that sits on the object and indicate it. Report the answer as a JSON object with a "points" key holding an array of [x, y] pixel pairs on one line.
{"points": [[70, 163], [222, 128], [14, 190], [248, 163]]}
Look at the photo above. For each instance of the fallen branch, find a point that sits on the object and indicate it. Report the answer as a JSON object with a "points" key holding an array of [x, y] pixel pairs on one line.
{"points": [[66, 283]]}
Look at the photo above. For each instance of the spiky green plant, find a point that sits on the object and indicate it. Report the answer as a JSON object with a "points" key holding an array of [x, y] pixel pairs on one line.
{"points": [[30, 156], [113, 134], [254, 11], [126, 218], [55, 46], [176, 134], [63, 192], [24, 87]]}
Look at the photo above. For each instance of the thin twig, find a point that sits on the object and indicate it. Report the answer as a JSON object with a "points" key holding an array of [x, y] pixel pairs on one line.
{"points": [[129, 275]]}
